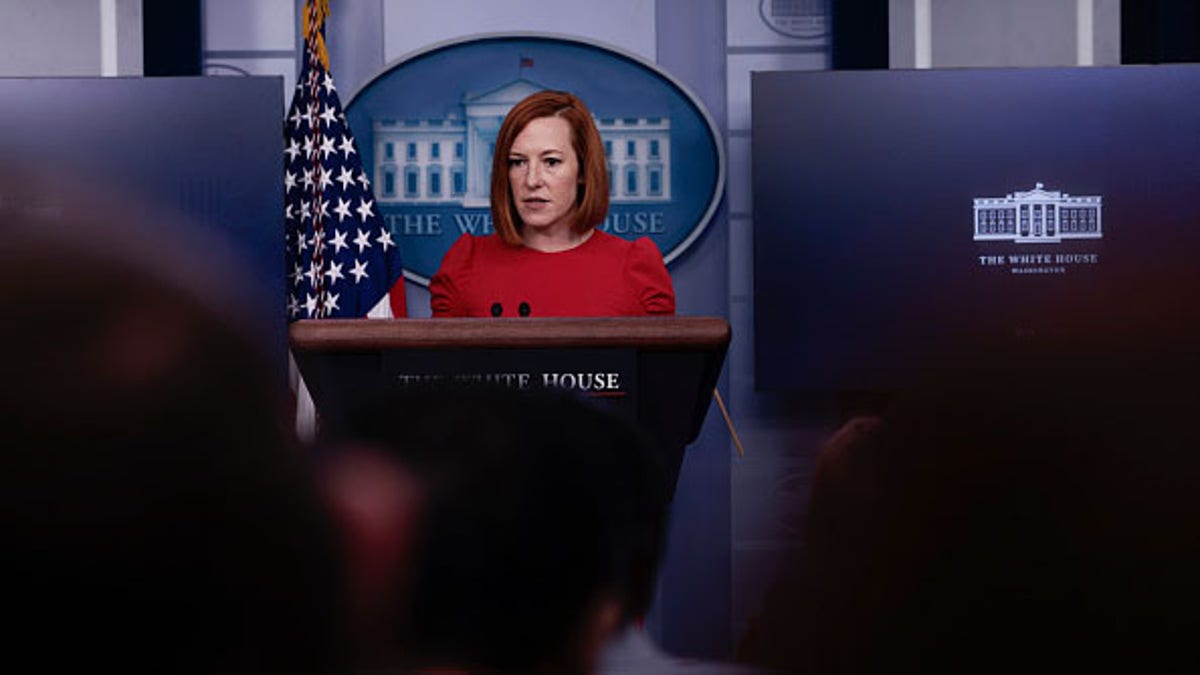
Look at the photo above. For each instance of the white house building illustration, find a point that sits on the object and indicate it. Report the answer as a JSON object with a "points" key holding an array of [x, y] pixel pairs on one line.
{"points": [[1037, 216], [448, 160]]}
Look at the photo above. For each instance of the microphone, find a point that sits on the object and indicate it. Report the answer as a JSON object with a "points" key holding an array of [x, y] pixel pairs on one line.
{"points": [[523, 309], [497, 309]]}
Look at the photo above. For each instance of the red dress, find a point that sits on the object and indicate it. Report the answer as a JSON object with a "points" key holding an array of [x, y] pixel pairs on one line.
{"points": [[604, 276]]}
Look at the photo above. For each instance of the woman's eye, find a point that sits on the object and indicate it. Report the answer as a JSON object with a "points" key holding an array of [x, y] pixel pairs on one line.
{"points": [[516, 161], [553, 161]]}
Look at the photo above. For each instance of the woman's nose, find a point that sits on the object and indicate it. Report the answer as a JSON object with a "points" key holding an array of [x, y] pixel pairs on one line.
{"points": [[533, 175]]}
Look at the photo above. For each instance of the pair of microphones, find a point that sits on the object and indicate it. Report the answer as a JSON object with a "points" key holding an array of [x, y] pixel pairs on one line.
{"points": [[522, 309]]}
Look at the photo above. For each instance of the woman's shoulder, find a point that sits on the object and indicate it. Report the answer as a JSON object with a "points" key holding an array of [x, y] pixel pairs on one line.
{"points": [[644, 246], [469, 252], [640, 252], [453, 279], [643, 251], [647, 271], [466, 243]]}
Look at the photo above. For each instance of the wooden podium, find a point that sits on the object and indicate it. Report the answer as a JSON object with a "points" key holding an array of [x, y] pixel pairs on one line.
{"points": [[659, 371]]}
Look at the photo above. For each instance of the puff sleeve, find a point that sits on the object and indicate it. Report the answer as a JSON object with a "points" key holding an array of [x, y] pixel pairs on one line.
{"points": [[447, 288], [648, 279]]}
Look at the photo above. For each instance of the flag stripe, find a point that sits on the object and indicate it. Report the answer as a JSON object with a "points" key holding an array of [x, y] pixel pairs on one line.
{"points": [[341, 258]]}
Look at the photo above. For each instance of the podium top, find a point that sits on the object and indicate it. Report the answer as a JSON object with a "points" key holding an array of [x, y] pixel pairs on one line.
{"points": [[643, 333], [667, 366]]}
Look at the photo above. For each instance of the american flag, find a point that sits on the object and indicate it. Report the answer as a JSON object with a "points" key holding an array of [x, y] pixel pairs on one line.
{"points": [[342, 261]]}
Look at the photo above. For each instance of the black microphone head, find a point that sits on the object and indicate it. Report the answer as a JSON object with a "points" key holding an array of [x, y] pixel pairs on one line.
{"points": [[523, 309], [497, 309]]}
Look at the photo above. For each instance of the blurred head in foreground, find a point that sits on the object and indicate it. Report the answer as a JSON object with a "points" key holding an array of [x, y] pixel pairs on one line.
{"points": [[538, 527], [1035, 510], [154, 512]]}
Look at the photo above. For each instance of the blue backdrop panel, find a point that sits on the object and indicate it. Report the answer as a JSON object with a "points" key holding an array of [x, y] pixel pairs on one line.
{"points": [[210, 148], [904, 216]]}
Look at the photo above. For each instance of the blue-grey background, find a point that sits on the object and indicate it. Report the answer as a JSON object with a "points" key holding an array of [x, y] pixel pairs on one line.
{"points": [[205, 148]]}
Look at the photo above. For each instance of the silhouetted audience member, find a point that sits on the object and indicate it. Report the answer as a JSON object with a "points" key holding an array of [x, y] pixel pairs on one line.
{"points": [[1034, 510], [377, 502], [538, 530], [155, 515]]}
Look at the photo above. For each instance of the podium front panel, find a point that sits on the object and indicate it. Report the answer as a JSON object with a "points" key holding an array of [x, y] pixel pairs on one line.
{"points": [[658, 372]]}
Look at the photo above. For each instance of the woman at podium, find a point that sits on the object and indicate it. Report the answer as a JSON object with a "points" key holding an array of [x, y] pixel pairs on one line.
{"points": [[546, 256]]}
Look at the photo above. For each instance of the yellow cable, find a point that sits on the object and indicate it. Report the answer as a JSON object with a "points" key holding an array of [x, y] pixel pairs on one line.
{"points": [[729, 423]]}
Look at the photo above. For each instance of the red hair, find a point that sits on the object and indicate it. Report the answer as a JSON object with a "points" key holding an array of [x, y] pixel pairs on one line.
{"points": [[591, 198]]}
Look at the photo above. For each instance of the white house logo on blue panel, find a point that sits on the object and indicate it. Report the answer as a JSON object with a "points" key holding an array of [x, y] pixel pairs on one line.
{"points": [[430, 123], [1038, 216], [1004, 227]]}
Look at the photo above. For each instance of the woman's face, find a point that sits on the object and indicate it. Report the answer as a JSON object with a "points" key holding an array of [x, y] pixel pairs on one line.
{"points": [[543, 174]]}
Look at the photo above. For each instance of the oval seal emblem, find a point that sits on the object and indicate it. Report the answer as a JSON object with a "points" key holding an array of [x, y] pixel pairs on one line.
{"points": [[796, 18], [426, 126]]}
